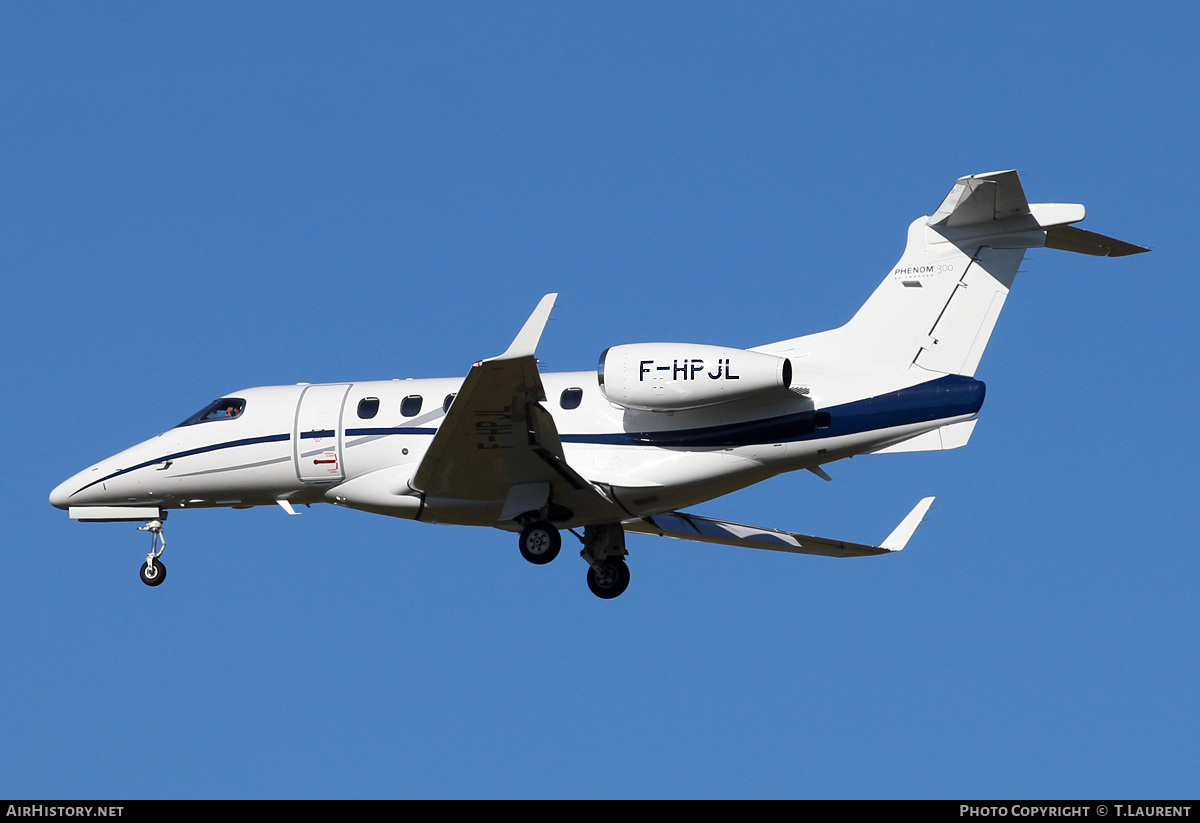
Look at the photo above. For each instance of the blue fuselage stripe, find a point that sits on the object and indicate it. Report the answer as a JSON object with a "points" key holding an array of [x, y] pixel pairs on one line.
{"points": [[950, 396], [385, 431], [232, 444]]}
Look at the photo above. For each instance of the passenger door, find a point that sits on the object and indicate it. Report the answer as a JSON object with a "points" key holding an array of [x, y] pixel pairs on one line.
{"points": [[317, 439]]}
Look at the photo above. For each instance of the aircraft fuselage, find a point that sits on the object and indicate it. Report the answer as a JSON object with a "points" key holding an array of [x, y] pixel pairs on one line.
{"points": [[302, 443]]}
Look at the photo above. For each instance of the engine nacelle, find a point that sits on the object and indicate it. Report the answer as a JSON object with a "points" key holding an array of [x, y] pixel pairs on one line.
{"points": [[674, 376]]}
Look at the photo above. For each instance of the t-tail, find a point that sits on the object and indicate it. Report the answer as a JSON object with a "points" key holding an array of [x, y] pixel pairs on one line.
{"points": [[937, 307]]}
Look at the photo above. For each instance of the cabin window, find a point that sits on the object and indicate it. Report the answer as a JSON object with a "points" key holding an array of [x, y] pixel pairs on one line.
{"points": [[411, 405], [571, 398], [368, 407], [449, 399], [822, 420], [225, 408]]}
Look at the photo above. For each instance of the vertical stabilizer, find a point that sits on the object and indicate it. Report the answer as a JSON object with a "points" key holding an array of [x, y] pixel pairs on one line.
{"points": [[937, 307]]}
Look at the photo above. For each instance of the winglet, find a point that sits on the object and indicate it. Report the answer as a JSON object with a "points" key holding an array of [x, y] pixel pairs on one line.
{"points": [[525, 343], [899, 537]]}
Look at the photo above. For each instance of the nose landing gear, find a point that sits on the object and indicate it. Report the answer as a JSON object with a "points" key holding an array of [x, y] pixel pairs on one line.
{"points": [[153, 573], [153, 570]]}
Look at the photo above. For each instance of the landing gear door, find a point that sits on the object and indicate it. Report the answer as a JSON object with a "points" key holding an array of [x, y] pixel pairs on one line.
{"points": [[317, 439]]}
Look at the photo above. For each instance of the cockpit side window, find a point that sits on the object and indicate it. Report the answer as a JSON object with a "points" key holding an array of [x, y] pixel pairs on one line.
{"points": [[226, 408]]}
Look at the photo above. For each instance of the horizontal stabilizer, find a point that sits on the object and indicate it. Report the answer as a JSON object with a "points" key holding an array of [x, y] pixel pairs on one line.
{"points": [[1070, 238], [683, 526], [982, 198]]}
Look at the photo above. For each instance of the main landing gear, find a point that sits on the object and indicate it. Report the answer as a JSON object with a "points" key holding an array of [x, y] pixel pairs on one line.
{"points": [[609, 579], [603, 549], [153, 570], [540, 542]]}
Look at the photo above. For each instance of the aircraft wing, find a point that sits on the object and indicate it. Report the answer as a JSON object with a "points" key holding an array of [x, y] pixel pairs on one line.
{"points": [[497, 442], [684, 526]]}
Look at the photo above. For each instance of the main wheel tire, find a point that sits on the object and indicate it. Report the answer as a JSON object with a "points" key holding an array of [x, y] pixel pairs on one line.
{"points": [[612, 581], [153, 575], [540, 542]]}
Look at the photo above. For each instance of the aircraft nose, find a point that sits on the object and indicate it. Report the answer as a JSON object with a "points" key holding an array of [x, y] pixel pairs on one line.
{"points": [[66, 493], [59, 498]]}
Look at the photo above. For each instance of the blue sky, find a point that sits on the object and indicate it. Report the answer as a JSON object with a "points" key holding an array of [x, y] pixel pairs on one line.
{"points": [[200, 198]]}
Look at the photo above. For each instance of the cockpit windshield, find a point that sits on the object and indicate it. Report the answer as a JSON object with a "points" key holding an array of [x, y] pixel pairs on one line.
{"points": [[226, 408]]}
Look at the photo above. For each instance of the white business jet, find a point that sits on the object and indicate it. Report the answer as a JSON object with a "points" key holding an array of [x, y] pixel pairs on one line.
{"points": [[659, 426]]}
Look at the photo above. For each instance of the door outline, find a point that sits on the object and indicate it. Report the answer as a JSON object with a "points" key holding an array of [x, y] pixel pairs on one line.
{"points": [[317, 433]]}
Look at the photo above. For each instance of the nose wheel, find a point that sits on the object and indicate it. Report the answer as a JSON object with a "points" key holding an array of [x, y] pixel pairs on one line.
{"points": [[153, 573], [153, 570]]}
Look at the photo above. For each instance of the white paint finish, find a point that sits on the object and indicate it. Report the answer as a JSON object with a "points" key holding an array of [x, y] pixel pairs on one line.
{"points": [[503, 450]]}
